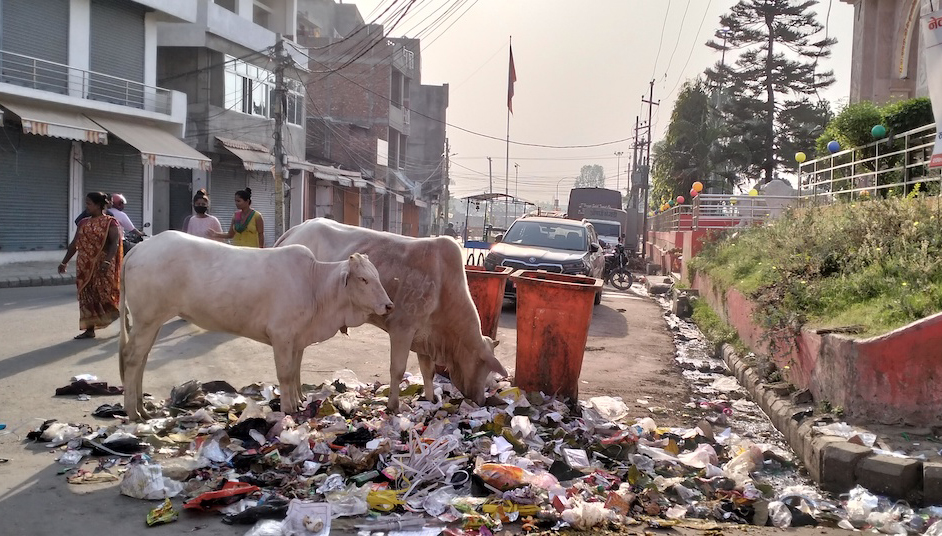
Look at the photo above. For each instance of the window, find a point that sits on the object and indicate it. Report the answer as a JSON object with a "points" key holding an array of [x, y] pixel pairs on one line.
{"points": [[261, 15], [545, 235], [227, 4], [248, 89], [395, 95]]}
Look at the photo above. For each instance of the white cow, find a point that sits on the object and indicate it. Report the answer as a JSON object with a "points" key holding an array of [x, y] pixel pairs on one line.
{"points": [[434, 317], [282, 297]]}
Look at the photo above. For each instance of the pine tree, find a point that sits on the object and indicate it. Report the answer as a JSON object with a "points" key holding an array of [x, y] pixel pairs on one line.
{"points": [[770, 85]]}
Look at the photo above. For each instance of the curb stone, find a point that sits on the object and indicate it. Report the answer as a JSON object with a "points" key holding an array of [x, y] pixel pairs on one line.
{"points": [[835, 464], [37, 281]]}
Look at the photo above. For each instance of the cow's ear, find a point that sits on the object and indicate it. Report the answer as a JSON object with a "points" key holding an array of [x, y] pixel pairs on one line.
{"points": [[344, 275], [494, 365]]}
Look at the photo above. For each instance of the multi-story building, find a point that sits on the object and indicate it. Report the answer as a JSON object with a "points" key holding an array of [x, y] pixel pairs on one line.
{"points": [[222, 59], [82, 111], [362, 93]]}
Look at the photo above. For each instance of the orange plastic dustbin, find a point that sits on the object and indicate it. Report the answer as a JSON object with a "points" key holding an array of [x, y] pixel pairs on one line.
{"points": [[487, 292], [553, 316]]}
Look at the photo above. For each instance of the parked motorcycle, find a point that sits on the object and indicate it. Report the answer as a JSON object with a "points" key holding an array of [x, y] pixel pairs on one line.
{"points": [[616, 271]]}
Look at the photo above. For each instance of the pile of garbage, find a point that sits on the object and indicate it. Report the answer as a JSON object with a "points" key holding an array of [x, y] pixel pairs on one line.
{"points": [[526, 460]]}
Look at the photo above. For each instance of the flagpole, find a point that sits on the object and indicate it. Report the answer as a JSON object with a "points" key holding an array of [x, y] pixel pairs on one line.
{"points": [[507, 159]]}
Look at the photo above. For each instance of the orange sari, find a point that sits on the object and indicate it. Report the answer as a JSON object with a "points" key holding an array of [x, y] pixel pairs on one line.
{"points": [[98, 291]]}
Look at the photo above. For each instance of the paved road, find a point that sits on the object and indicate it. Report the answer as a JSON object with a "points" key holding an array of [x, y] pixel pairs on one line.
{"points": [[629, 354]]}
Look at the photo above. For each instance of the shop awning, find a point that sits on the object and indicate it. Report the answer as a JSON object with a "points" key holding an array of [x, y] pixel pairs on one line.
{"points": [[45, 121], [359, 183], [158, 147], [341, 176], [254, 156], [419, 203], [296, 163]]}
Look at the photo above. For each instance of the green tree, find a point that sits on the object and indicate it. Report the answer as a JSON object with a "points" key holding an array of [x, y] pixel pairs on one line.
{"points": [[590, 177], [684, 156], [770, 84]]}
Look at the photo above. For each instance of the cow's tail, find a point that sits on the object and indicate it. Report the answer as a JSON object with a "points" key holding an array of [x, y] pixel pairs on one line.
{"points": [[125, 328]]}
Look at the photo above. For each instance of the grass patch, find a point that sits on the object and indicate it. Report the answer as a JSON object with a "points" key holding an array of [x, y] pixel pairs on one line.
{"points": [[714, 328], [872, 266]]}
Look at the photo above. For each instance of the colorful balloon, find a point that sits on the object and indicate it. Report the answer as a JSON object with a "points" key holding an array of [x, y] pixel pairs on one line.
{"points": [[693, 193], [834, 146], [698, 186], [878, 131], [800, 157], [671, 202], [753, 192], [680, 200]]}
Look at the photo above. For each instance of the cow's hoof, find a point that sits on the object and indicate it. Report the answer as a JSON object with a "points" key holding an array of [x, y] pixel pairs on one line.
{"points": [[394, 408], [434, 399]]}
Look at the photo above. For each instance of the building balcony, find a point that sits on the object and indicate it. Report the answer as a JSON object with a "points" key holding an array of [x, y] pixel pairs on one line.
{"points": [[29, 77], [400, 119]]}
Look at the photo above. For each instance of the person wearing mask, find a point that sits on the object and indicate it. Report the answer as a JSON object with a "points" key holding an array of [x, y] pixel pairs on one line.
{"points": [[200, 224], [97, 243], [247, 228]]}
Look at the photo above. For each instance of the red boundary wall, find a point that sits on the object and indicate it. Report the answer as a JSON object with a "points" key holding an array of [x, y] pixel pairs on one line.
{"points": [[888, 379]]}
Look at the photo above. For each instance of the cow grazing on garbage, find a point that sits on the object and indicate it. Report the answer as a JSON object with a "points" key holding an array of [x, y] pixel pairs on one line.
{"points": [[282, 297], [434, 317]]}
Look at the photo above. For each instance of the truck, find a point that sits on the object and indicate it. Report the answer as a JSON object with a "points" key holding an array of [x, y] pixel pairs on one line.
{"points": [[603, 208]]}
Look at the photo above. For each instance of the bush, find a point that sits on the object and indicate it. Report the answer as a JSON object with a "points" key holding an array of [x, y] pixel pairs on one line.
{"points": [[905, 115], [850, 127]]}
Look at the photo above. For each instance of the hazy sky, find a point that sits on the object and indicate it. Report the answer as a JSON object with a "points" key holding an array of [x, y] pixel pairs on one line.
{"points": [[582, 68]]}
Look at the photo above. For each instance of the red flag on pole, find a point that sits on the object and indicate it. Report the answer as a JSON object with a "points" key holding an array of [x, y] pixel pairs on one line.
{"points": [[511, 78]]}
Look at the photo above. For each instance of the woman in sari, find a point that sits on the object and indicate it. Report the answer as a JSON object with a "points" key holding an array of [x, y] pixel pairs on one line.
{"points": [[98, 266], [247, 228]]}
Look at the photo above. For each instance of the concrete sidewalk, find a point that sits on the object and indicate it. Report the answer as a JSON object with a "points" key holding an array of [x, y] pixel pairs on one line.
{"points": [[35, 274]]}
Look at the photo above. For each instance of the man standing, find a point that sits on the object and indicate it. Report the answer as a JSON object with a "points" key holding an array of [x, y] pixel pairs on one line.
{"points": [[450, 231]]}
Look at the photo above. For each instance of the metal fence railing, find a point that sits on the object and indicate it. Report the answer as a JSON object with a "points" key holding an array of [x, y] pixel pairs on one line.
{"points": [[891, 167], [55, 77]]}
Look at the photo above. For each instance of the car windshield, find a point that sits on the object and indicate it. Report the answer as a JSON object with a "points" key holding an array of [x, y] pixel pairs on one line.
{"points": [[606, 229], [546, 235]]}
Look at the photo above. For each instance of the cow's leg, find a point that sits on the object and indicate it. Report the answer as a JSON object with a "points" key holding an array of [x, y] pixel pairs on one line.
{"points": [[296, 363], [287, 376], [136, 352], [400, 342], [427, 366]]}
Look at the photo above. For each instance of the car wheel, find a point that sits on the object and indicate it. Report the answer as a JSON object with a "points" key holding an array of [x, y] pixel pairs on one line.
{"points": [[598, 298]]}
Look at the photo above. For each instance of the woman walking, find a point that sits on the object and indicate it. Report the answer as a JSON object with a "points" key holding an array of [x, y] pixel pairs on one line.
{"points": [[202, 223], [247, 228], [98, 266]]}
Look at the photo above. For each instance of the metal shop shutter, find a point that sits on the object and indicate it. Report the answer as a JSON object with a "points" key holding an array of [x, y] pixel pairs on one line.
{"points": [[224, 181], [39, 30], [263, 200], [34, 179], [117, 49], [116, 168]]}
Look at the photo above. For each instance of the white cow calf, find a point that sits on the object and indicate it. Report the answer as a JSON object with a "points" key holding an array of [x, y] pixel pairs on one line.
{"points": [[282, 297]]}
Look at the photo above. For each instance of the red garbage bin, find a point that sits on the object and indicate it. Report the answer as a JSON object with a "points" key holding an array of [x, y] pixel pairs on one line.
{"points": [[553, 316], [487, 292]]}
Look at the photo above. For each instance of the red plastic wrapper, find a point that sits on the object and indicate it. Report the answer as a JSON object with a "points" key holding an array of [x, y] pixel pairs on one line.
{"points": [[230, 492]]}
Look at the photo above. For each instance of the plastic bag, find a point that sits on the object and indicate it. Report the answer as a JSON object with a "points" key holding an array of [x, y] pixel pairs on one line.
{"points": [[859, 504], [934, 529], [439, 500], [146, 481], [746, 462], [584, 516], [266, 527], [162, 514], [350, 501], [306, 518], [502, 476], [60, 432], [780, 514], [700, 457]]}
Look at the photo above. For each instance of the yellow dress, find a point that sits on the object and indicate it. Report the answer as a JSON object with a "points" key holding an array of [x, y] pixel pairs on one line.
{"points": [[249, 237]]}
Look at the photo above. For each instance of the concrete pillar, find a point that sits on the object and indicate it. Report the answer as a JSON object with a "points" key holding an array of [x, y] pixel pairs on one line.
{"points": [[148, 208], [298, 195], [245, 9], [161, 197], [76, 185], [150, 60], [80, 18]]}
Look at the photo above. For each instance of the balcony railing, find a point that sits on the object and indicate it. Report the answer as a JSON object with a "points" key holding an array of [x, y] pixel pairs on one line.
{"points": [[54, 77]]}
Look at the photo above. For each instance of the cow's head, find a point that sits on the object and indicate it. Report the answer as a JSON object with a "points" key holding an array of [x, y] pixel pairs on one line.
{"points": [[470, 372], [362, 284]]}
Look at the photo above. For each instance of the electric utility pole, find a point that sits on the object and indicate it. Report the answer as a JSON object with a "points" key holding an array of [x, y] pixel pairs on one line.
{"points": [[280, 170], [647, 165]]}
